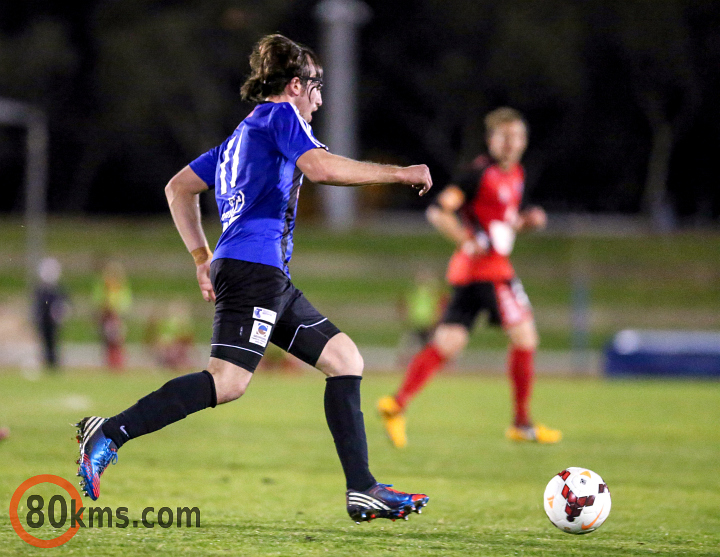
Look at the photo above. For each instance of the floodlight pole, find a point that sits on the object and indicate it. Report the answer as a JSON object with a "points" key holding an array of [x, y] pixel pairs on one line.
{"points": [[340, 21], [14, 113]]}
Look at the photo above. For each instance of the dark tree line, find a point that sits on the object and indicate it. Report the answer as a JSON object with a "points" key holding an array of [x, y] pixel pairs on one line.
{"points": [[620, 95]]}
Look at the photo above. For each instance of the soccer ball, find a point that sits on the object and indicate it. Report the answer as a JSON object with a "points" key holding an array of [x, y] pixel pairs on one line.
{"points": [[577, 500]]}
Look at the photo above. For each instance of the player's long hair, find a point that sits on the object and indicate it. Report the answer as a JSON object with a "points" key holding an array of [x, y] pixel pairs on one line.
{"points": [[275, 60]]}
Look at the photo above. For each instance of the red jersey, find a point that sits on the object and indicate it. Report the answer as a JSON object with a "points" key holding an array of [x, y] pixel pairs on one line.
{"points": [[492, 201]]}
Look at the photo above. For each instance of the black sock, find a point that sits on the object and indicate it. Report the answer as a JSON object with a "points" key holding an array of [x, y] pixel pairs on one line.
{"points": [[345, 420], [172, 402]]}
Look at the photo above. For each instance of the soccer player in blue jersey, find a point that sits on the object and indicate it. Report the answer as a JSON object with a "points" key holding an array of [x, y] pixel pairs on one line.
{"points": [[257, 173]]}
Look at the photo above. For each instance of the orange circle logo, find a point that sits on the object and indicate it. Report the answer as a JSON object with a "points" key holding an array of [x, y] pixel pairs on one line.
{"points": [[15, 503]]}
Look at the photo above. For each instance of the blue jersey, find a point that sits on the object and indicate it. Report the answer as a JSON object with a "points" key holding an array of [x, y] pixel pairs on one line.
{"points": [[257, 184]]}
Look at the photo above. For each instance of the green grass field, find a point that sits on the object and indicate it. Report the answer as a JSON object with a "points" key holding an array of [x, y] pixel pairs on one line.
{"points": [[265, 477]]}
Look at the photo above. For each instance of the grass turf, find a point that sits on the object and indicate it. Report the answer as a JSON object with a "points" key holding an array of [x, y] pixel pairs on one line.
{"points": [[264, 474]]}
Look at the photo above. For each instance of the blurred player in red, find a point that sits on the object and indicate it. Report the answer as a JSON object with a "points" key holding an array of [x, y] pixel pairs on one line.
{"points": [[481, 214]]}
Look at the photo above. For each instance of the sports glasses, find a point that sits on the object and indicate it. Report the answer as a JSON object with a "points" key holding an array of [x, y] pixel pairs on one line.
{"points": [[316, 80]]}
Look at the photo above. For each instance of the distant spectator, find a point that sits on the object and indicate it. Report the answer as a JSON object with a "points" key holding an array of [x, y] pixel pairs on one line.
{"points": [[276, 359], [4, 433], [112, 296], [171, 337], [420, 308], [50, 309]]}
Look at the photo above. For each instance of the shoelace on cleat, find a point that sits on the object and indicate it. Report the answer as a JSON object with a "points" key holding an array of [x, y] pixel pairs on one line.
{"points": [[107, 456], [104, 458]]}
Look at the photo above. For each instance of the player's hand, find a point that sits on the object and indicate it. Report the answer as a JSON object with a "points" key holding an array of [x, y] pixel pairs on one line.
{"points": [[203, 278], [479, 244], [534, 217], [472, 248], [417, 176]]}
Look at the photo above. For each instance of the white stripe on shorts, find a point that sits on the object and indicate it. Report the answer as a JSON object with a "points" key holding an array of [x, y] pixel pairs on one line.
{"points": [[304, 327], [239, 348]]}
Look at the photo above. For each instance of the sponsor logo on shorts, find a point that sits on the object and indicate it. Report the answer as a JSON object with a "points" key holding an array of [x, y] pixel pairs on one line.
{"points": [[265, 315], [260, 333]]}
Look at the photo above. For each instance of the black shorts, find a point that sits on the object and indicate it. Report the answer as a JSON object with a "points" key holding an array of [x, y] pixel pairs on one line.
{"points": [[256, 304], [505, 302]]}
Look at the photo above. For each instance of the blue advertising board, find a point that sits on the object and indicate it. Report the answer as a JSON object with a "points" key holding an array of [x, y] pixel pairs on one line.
{"points": [[658, 353]]}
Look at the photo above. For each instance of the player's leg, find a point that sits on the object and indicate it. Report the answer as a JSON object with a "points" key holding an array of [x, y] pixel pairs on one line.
{"points": [[342, 363], [222, 382], [514, 312], [521, 370], [366, 498], [306, 334], [447, 342], [239, 341], [231, 380], [101, 438]]}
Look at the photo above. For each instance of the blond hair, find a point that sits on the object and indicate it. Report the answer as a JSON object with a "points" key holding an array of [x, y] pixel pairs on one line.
{"points": [[502, 115]]}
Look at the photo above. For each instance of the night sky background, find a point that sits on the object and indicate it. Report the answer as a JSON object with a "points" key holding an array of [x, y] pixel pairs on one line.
{"points": [[135, 89]]}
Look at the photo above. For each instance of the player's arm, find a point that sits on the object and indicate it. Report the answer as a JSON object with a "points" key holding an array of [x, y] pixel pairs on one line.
{"points": [[443, 216], [323, 167], [183, 195], [532, 218]]}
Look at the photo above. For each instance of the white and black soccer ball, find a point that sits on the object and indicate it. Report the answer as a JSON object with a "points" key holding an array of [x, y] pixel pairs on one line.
{"points": [[577, 500]]}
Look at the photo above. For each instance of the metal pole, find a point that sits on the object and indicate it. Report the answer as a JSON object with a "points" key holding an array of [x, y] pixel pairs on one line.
{"points": [[35, 192], [340, 22], [14, 113]]}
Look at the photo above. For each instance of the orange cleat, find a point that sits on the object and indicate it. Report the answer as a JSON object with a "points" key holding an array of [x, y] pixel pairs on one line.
{"points": [[533, 434], [393, 420]]}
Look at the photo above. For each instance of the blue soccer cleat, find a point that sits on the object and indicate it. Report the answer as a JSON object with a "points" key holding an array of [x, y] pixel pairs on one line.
{"points": [[380, 501], [96, 452]]}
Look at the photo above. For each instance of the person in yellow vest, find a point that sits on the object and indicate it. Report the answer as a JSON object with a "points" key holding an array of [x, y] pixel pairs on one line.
{"points": [[171, 338], [113, 297], [420, 307]]}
